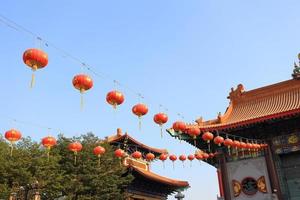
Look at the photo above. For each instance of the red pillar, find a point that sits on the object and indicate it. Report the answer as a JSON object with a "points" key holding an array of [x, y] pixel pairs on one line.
{"points": [[224, 176], [221, 189]]}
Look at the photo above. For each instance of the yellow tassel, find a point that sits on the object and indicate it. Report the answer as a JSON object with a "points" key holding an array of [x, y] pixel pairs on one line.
{"points": [[140, 123], [161, 131], [32, 80], [11, 149]]}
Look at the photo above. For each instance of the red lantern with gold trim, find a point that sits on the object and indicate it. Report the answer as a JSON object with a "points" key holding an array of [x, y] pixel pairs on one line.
{"points": [[193, 131], [160, 119], [119, 153], [182, 158], [228, 143], [173, 158], [208, 136], [12, 136], [163, 157], [136, 155], [35, 59], [140, 110], [48, 142], [75, 147], [115, 98], [205, 156], [82, 82], [179, 126], [191, 157]]}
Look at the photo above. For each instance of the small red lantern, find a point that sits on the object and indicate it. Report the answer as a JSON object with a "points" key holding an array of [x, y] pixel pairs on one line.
{"points": [[75, 147], [160, 119], [191, 157], [179, 126], [199, 156], [173, 158], [228, 143], [182, 158], [194, 132], [205, 156], [236, 144], [82, 83], [218, 140], [12, 136], [48, 142], [119, 153], [136, 155], [150, 157], [35, 59], [115, 98], [99, 151], [208, 136], [140, 110], [163, 157], [243, 145]]}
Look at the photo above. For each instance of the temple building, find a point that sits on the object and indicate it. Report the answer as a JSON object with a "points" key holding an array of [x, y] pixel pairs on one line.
{"points": [[146, 184], [271, 115]]}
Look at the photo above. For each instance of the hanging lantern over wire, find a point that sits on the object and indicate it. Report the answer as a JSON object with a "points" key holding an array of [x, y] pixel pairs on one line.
{"points": [[199, 156], [236, 144], [194, 131], [35, 59], [218, 140], [119, 153], [99, 151], [75, 147], [140, 110], [12, 136], [205, 156], [82, 82], [48, 142], [179, 127], [163, 157], [115, 98], [243, 146], [160, 119], [182, 158], [173, 158], [208, 136], [228, 143], [191, 157]]}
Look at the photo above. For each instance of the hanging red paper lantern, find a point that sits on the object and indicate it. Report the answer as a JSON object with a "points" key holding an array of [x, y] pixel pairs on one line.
{"points": [[82, 83], [115, 98], [228, 143], [163, 157], [191, 157], [236, 144], [207, 136], [99, 151], [150, 156], [205, 156], [179, 126], [182, 158], [136, 155], [243, 145], [48, 142], [194, 132], [140, 110], [119, 153], [75, 147], [160, 119], [199, 156], [218, 140], [12, 136], [35, 59], [173, 158]]}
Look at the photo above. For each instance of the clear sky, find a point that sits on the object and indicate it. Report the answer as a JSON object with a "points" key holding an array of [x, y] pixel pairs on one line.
{"points": [[185, 55]]}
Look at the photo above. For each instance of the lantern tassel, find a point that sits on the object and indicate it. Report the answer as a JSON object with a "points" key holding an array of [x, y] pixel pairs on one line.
{"points": [[195, 142], [229, 150], [48, 154], [81, 99], [182, 164], [208, 146], [140, 123], [32, 80], [99, 157], [75, 157], [161, 131], [11, 149], [173, 165]]}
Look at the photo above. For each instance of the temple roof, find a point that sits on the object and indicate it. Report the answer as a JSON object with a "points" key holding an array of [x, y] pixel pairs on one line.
{"points": [[275, 101], [121, 138], [160, 179]]}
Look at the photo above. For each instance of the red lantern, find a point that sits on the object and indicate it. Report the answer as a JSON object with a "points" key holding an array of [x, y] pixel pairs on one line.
{"points": [[160, 119], [150, 157], [75, 147], [163, 157], [48, 142], [99, 151], [236, 144], [35, 59], [82, 83], [173, 158], [136, 155], [140, 110], [218, 140], [115, 98], [205, 156], [179, 126], [182, 158], [199, 156], [228, 143], [191, 157], [119, 153], [12, 136], [207, 136], [194, 132], [243, 145]]}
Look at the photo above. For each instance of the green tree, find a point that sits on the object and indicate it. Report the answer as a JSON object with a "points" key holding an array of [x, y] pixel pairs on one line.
{"points": [[87, 180]]}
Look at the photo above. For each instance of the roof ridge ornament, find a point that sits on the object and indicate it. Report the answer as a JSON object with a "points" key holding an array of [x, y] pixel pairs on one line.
{"points": [[236, 93], [296, 71]]}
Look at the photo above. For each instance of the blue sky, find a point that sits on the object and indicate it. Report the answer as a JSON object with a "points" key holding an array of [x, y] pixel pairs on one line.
{"points": [[185, 55]]}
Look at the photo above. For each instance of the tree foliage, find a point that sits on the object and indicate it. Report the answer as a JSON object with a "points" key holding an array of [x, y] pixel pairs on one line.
{"points": [[60, 177]]}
